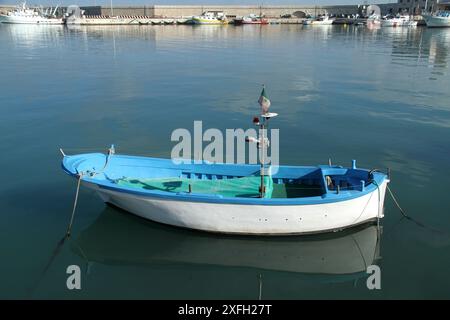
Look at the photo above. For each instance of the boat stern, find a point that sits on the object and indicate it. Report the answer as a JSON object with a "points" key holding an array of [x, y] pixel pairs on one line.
{"points": [[83, 163]]}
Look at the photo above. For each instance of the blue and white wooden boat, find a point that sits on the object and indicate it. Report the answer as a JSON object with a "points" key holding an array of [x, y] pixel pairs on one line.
{"points": [[234, 198], [225, 198]]}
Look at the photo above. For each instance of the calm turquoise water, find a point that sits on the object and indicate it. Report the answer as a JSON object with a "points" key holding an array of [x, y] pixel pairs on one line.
{"points": [[380, 96]]}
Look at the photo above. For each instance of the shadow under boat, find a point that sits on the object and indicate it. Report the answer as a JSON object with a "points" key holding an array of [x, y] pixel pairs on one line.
{"points": [[118, 238]]}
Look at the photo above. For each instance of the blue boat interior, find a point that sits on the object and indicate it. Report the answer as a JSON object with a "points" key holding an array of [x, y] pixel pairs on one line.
{"points": [[154, 175]]}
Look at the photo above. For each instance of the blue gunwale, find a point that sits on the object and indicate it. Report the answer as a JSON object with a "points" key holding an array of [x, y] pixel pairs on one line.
{"points": [[94, 162]]}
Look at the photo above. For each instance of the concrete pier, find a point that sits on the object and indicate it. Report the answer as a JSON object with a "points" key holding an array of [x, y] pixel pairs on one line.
{"points": [[270, 11]]}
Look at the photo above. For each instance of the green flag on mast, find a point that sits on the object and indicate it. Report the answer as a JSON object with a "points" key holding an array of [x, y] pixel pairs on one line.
{"points": [[264, 101]]}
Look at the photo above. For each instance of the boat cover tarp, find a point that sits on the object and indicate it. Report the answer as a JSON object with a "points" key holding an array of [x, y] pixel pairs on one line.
{"points": [[235, 187]]}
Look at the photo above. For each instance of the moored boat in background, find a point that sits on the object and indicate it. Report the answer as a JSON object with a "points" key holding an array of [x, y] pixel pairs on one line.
{"points": [[157, 22], [437, 20], [398, 21], [184, 20], [168, 21], [373, 17], [373, 22], [250, 19], [322, 20], [22, 14], [211, 17]]}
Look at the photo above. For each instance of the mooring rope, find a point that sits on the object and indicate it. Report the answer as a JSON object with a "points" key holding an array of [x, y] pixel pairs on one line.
{"points": [[61, 242], [397, 204], [69, 228], [417, 222]]}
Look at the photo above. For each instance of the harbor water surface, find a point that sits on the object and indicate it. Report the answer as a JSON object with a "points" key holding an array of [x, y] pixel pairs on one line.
{"points": [[379, 96]]}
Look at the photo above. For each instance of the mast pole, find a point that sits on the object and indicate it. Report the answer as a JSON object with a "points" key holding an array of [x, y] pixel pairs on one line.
{"points": [[262, 142], [262, 121]]}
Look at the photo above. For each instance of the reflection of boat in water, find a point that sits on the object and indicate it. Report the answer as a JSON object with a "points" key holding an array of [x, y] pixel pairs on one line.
{"points": [[120, 239]]}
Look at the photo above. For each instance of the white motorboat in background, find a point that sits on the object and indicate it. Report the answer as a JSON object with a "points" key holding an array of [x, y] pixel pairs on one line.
{"points": [[438, 19], [25, 15], [211, 17], [373, 22], [323, 20], [398, 21], [250, 19], [373, 16]]}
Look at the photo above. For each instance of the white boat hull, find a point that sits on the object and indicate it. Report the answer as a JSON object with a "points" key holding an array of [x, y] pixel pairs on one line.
{"points": [[436, 21], [394, 23], [327, 22], [209, 22], [373, 23], [251, 219], [322, 23], [29, 20]]}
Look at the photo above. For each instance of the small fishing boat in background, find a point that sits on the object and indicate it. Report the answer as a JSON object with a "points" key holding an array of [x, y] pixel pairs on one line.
{"points": [[235, 198], [168, 21], [374, 17], [373, 22], [438, 20], [157, 22], [322, 20], [146, 23], [183, 20], [250, 19]]}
